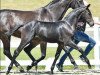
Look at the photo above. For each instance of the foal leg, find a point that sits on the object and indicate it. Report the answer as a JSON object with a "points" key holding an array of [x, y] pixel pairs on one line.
{"points": [[6, 44], [73, 45], [71, 58], [73, 61], [28, 52], [56, 57], [43, 51], [43, 47]]}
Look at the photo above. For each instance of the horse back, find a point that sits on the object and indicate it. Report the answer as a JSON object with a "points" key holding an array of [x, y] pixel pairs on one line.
{"points": [[11, 18]]}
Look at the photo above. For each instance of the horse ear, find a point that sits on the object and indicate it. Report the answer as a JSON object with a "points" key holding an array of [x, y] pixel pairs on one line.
{"points": [[80, 0], [88, 6]]}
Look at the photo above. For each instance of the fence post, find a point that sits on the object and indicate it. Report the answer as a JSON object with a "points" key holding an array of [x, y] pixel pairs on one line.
{"points": [[97, 46]]}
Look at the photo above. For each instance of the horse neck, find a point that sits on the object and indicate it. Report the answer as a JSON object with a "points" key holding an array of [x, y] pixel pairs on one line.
{"points": [[58, 9], [73, 17]]}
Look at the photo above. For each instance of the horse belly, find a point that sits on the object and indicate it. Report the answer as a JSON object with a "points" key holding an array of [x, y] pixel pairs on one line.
{"points": [[49, 37]]}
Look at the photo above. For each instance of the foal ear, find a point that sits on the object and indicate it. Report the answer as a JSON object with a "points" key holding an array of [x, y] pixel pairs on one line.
{"points": [[88, 6]]}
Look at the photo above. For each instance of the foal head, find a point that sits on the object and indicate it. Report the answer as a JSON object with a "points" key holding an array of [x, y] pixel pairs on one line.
{"points": [[86, 16], [73, 17]]}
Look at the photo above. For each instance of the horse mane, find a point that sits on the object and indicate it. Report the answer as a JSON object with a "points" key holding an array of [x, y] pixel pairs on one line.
{"points": [[52, 2]]}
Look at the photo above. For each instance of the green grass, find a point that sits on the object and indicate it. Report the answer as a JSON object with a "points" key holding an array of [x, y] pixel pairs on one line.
{"points": [[35, 4], [50, 53], [23, 4], [95, 7]]}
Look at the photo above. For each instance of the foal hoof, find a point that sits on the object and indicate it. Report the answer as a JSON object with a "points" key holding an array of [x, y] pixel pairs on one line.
{"points": [[60, 67], [21, 69]]}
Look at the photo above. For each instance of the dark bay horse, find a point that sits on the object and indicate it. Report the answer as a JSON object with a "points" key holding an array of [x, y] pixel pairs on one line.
{"points": [[10, 20], [53, 32], [47, 13]]}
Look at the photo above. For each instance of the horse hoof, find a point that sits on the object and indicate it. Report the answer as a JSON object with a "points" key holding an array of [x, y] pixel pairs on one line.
{"points": [[76, 68], [7, 73], [22, 71], [51, 72], [36, 67], [89, 67], [28, 68]]}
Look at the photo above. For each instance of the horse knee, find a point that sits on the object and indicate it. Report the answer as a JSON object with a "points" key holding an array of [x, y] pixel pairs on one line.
{"points": [[6, 52], [16, 53]]}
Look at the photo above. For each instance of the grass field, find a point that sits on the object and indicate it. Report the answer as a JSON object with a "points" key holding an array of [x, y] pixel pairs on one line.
{"points": [[50, 53], [35, 4]]}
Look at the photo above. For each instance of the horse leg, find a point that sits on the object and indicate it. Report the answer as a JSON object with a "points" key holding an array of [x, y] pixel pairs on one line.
{"points": [[25, 40], [43, 51], [6, 44], [73, 45], [56, 57], [71, 59]]}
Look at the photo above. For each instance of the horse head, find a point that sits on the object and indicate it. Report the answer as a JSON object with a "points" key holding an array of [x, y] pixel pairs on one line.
{"points": [[87, 16]]}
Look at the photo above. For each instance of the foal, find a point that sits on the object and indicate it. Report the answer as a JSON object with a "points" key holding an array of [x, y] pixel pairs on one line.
{"points": [[54, 32]]}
